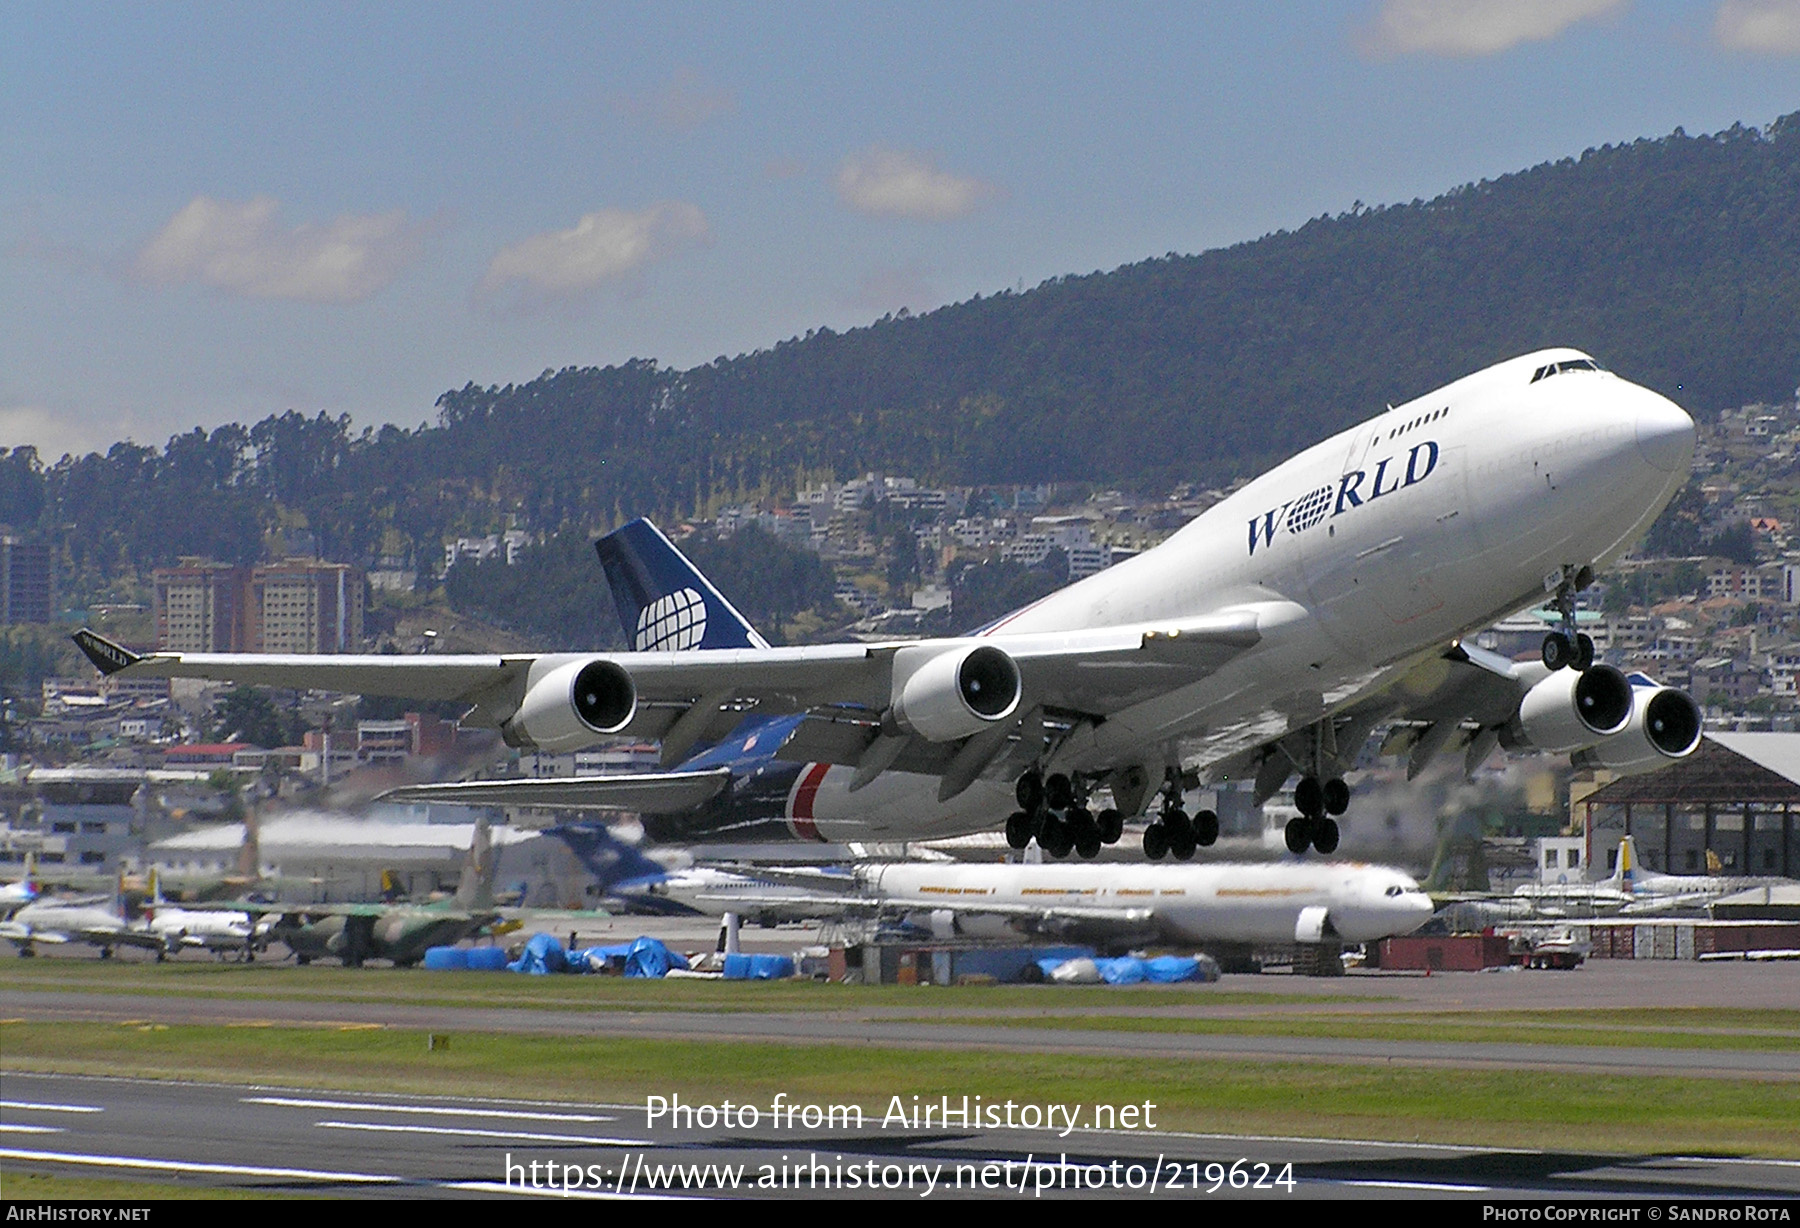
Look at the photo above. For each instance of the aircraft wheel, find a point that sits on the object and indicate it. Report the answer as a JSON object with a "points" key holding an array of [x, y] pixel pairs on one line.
{"points": [[302, 960], [105, 952], [27, 953], [1298, 834], [1181, 834], [1584, 652], [1112, 825], [1325, 836], [1309, 796], [1088, 845], [1337, 796], [1206, 828], [1018, 829], [1054, 837], [1156, 842], [1059, 792], [1029, 792], [1558, 652]]}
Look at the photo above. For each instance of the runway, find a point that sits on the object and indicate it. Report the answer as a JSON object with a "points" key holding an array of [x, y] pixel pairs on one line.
{"points": [[284, 1140], [866, 1026]]}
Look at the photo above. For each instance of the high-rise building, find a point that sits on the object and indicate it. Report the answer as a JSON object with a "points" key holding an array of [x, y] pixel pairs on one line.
{"points": [[303, 605], [200, 607], [25, 590]]}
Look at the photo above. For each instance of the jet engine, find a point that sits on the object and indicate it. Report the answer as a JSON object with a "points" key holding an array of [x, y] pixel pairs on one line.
{"points": [[956, 693], [572, 705], [1664, 727], [1572, 710]]}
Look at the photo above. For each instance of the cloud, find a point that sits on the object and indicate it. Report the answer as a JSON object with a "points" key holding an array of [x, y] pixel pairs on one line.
{"points": [[900, 183], [244, 248], [685, 103], [601, 247], [1473, 27], [1762, 27]]}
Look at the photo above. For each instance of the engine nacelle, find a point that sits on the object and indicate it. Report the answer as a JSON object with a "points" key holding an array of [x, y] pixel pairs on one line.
{"points": [[572, 705], [1665, 726], [955, 693], [1570, 710]]}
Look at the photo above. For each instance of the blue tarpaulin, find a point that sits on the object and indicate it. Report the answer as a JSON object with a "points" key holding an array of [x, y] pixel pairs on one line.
{"points": [[649, 958], [758, 967], [542, 956]]}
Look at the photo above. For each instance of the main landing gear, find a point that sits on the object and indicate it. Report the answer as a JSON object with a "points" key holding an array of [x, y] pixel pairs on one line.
{"points": [[1053, 811], [1173, 832], [1319, 803], [1567, 647]]}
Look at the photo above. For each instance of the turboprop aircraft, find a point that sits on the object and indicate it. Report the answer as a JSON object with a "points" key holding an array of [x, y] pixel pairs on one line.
{"points": [[100, 921], [1266, 639], [1632, 890]]}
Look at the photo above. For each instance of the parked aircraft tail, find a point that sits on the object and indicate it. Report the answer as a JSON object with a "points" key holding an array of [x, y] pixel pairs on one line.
{"points": [[664, 602], [476, 888]]}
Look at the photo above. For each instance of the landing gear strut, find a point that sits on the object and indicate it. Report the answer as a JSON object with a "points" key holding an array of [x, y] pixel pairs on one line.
{"points": [[1173, 831], [1568, 647]]}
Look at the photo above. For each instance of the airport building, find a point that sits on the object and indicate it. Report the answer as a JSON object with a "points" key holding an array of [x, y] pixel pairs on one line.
{"points": [[1737, 798]]}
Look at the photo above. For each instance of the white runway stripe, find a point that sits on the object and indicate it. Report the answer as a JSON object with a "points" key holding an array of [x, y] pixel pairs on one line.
{"points": [[38, 1106], [1422, 1185], [187, 1166], [520, 1136], [421, 1109], [8, 1127]]}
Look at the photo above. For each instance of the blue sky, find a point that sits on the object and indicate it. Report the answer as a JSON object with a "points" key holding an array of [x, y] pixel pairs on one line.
{"points": [[211, 213]]}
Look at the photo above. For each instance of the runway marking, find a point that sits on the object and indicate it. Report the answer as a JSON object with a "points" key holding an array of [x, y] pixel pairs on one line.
{"points": [[437, 1110], [1729, 1160], [523, 1137], [7, 1127], [186, 1166], [35, 1106], [1422, 1185], [496, 1187]]}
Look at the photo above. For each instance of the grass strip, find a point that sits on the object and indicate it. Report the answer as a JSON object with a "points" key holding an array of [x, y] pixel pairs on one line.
{"points": [[1547, 1032], [1539, 1110]]}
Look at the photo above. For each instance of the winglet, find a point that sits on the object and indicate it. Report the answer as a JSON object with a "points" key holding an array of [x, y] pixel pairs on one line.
{"points": [[108, 657]]}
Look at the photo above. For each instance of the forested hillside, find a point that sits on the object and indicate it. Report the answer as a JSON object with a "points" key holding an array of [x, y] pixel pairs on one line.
{"points": [[1675, 261]]}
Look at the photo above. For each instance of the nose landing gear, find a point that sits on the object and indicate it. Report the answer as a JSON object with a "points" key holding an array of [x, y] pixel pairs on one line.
{"points": [[1568, 648]]}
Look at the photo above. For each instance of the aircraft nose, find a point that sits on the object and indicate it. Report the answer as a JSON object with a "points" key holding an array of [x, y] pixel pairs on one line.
{"points": [[1665, 435]]}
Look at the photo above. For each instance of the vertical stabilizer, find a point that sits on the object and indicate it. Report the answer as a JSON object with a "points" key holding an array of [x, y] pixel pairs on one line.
{"points": [[664, 602], [476, 888], [249, 863]]}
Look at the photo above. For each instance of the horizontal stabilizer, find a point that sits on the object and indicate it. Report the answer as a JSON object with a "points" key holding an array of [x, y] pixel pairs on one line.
{"points": [[640, 793]]}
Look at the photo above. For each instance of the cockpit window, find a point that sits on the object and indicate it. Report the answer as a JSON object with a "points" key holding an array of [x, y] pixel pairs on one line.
{"points": [[1570, 364]]}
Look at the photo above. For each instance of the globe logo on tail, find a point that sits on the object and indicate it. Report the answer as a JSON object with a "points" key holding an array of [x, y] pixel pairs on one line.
{"points": [[671, 623]]}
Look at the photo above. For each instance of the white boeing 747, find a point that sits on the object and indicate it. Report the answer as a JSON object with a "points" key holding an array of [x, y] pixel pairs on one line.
{"points": [[1266, 640]]}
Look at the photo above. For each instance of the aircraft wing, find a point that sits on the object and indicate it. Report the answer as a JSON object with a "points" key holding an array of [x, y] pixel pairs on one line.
{"points": [[640, 793], [1090, 671]]}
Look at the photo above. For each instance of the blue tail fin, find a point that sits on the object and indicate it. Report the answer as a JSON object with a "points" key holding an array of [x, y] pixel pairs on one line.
{"points": [[664, 602]]}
